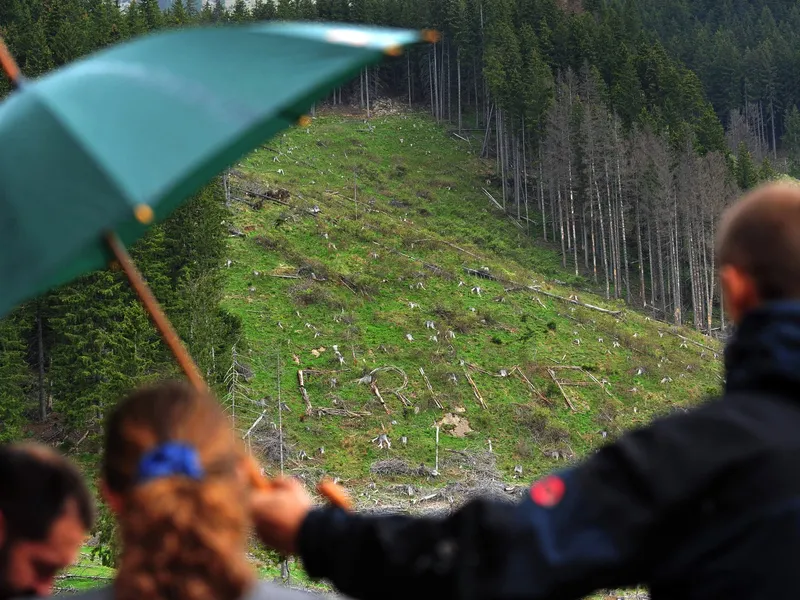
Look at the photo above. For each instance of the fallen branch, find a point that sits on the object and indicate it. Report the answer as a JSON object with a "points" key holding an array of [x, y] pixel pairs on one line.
{"points": [[397, 391], [255, 424], [377, 393], [341, 412], [80, 441], [475, 389], [425, 498], [435, 268], [593, 378], [266, 197], [286, 276], [685, 339], [614, 313], [347, 284], [309, 372], [459, 248], [481, 274], [303, 392], [530, 385], [496, 203], [430, 389], [481, 370], [563, 393]]}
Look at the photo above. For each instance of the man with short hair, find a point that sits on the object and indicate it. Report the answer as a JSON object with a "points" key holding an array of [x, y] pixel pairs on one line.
{"points": [[46, 511], [702, 505]]}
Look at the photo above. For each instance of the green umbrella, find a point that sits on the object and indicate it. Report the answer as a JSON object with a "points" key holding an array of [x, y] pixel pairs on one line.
{"points": [[94, 152]]}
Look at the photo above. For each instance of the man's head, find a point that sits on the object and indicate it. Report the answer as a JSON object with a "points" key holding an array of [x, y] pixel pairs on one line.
{"points": [[758, 249], [46, 511]]}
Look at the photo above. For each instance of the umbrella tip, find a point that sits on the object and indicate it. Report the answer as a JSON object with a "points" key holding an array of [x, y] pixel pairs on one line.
{"points": [[304, 121], [144, 214], [431, 36]]}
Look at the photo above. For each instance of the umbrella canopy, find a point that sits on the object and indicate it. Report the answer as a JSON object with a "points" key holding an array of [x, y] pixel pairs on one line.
{"points": [[118, 139]]}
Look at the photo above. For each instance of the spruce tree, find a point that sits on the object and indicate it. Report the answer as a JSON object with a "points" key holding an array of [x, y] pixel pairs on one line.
{"points": [[15, 377]]}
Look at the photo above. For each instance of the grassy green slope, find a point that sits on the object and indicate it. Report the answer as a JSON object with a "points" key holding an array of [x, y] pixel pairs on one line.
{"points": [[393, 258]]}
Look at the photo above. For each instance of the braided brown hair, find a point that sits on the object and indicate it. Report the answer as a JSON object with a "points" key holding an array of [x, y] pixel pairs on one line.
{"points": [[183, 538]]}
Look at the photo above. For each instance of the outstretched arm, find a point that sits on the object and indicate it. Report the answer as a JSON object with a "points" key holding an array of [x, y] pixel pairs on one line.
{"points": [[583, 529]]}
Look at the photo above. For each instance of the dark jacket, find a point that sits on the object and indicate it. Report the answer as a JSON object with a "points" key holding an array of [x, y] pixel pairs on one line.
{"points": [[702, 505]]}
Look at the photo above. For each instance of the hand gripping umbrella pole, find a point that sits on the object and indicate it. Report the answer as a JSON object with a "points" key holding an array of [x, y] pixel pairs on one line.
{"points": [[333, 492]]}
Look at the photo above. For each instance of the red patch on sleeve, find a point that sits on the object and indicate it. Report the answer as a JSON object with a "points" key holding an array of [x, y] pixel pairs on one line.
{"points": [[549, 491]]}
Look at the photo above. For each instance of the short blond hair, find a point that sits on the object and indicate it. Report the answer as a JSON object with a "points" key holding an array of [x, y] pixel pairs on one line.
{"points": [[760, 234]]}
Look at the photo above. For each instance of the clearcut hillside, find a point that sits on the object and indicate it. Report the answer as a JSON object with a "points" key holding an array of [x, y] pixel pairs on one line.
{"points": [[367, 255]]}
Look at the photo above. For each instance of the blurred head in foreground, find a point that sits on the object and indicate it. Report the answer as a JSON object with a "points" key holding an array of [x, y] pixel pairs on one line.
{"points": [[758, 249], [46, 511], [175, 476]]}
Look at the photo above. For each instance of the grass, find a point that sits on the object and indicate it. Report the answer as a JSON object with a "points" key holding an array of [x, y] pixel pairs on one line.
{"points": [[86, 573], [387, 215]]}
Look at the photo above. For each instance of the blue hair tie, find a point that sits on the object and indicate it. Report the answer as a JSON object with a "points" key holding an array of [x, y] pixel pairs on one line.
{"points": [[168, 459]]}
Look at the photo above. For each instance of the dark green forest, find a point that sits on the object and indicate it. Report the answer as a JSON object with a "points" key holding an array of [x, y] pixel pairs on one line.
{"points": [[619, 130]]}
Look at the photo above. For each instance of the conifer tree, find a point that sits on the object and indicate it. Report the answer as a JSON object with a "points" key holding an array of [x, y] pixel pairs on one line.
{"points": [[14, 377]]}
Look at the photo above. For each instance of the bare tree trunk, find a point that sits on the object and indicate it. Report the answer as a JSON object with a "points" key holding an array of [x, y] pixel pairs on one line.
{"points": [[517, 176], [475, 81], [40, 347], [641, 257], [449, 86], [594, 243], [366, 80], [361, 86], [437, 92], [540, 184], [458, 67], [693, 277], [772, 119], [612, 234], [626, 273], [602, 231], [485, 146], [652, 267], [408, 68], [525, 177], [501, 150], [659, 247], [442, 83], [677, 266], [553, 208], [572, 215], [561, 227], [708, 268], [430, 83]]}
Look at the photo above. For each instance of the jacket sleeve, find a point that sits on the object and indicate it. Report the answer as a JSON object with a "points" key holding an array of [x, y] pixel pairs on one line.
{"points": [[577, 531]]}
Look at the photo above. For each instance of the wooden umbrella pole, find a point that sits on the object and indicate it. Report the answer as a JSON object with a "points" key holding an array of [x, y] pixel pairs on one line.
{"points": [[159, 318], [10, 67]]}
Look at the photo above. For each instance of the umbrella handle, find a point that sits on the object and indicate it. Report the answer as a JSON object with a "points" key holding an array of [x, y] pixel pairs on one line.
{"points": [[9, 65], [152, 307]]}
